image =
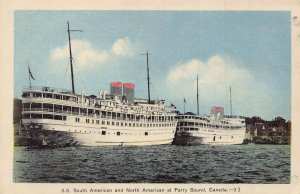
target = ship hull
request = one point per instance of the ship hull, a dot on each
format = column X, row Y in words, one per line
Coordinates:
column 51, row 133
column 215, row 137
column 190, row 139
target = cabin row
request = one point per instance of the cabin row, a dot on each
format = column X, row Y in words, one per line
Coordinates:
column 89, row 112
column 94, row 102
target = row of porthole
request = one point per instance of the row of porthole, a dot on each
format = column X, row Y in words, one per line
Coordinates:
column 129, row 124
column 196, row 129
column 210, row 126
column 118, row 133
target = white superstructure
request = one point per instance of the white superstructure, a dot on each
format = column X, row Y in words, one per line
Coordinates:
column 60, row 118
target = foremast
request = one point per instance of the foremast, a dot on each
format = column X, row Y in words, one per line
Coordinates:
column 71, row 57
column 148, row 77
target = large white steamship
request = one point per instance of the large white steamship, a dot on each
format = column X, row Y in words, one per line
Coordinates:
column 215, row 129
column 56, row 117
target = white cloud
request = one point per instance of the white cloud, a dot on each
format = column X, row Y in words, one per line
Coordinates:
column 216, row 75
column 123, row 47
column 215, row 71
column 83, row 53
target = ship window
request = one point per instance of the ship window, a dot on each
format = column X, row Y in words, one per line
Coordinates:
column 117, row 123
column 103, row 122
column 103, row 132
column 113, row 123
column 220, row 137
column 46, row 116
column 26, row 116
column 37, row 94
column 25, row 94
column 108, row 123
column 214, row 138
column 125, row 124
column 57, row 117
column 93, row 121
column 121, row 123
column 97, row 121
column 46, row 95
column 56, row 96
column 118, row 133
column 36, row 105
column 146, row 133
column 133, row 124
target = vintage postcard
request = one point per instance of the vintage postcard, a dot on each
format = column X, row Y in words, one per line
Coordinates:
column 149, row 97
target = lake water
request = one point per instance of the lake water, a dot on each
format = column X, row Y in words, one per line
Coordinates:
column 154, row 164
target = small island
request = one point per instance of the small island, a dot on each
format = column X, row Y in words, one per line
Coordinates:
column 259, row 131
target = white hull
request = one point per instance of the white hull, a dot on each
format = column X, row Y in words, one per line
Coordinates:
column 65, row 133
column 215, row 137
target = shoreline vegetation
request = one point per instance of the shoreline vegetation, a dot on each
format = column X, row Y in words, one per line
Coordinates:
column 258, row 131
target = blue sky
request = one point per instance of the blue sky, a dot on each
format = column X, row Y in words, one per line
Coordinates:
column 249, row 51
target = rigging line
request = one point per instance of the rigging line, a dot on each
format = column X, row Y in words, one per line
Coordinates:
column 64, row 77
column 155, row 93
column 66, row 71
column 82, row 80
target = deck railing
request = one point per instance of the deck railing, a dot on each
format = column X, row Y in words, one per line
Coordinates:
column 46, row 89
column 69, row 112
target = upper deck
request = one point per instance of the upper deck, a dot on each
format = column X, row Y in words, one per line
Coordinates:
column 48, row 95
column 227, row 120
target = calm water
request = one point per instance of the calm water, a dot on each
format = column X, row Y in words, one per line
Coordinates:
column 154, row 164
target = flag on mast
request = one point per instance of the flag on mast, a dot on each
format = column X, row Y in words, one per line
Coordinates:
column 30, row 74
column 184, row 100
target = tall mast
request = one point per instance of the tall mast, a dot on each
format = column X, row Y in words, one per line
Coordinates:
column 148, row 77
column 197, row 97
column 230, row 103
column 71, row 57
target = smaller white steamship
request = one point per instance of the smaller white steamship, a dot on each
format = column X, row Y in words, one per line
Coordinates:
column 56, row 117
column 215, row 129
